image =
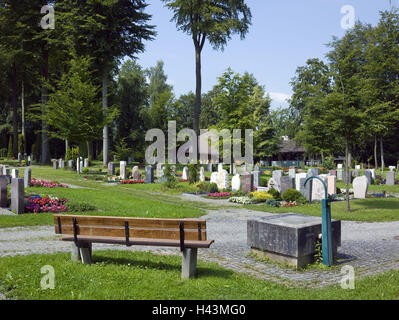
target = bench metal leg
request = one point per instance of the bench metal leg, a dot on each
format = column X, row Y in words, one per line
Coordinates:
column 82, row 252
column 189, row 263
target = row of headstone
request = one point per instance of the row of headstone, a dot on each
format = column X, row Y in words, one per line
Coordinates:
column 17, row 194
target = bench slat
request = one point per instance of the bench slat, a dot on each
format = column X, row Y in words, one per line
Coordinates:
column 133, row 222
column 142, row 241
column 173, row 234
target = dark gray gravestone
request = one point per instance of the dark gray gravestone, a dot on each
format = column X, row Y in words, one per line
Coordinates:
column 256, row 175
column 313, row 172
column 27, row 177
column 286, row 182
column 17, row 196
column 55, row 164
column 349, row 176
column 247, row 182
column 306, row 191
column 3, row 191
column 333, row 172
column 356, row 173
column 149, row 174
column 369, row 176
column 390, row 178
column 111, row 168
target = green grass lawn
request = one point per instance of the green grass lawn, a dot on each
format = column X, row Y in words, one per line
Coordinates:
column 142, row 276
column 368, row 210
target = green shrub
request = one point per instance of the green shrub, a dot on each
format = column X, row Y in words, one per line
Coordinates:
column 85, row 170
column 377, row 182
column 329, row 163
column 213, row 188
column 263, row 181
column 202, row 187
column 291, row 195
column 192, row 174
column 170, row 177
column 275, row 194
column 272, row 203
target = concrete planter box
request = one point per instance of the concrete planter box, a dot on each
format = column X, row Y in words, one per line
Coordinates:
column 289, row 238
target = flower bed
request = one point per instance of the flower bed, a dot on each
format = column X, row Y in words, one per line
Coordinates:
column 219, row 195
column 132, row 181
column 290, row 204
column 182, row 180
column 243, row 200
column 36, row 204
column 46, row 184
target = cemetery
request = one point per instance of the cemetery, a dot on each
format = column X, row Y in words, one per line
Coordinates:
column 121, row 189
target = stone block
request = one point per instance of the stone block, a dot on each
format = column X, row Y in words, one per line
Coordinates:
column 3, row 191
column 17, row 196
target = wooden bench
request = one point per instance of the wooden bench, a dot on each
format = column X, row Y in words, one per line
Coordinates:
column 82, row 231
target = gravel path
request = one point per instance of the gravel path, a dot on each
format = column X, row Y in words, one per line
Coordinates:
column 369, row 247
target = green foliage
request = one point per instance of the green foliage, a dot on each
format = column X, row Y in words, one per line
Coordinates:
column 75, row 206
column 21, row 143
column 193, row 173
column 122, row 151
column 329, row 163
column 275, row 194
column 272, row 203
column 203, row 186
column 213, row 188
column 75, row 153
column 68, row 155
column 291, row 195
column 85, row 170
column 170, row 177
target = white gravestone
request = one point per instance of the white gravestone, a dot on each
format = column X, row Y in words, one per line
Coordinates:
column 236, row 183
column 185, row 173
column 214, row 177
column 360, row 187
column 223, row 180
column 298, row 178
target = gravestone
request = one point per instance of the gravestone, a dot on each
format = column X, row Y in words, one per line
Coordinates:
column 349, row 176
column 160, row 169
column 78, row 165
column 369, row 176
column 276, row 175
column 292, row 173
column 3, row 191
column 86, row 163
column 236, row 183
column 234, row 169
column 360, row 186
column 122, row 170
column 318, row 191
column 149, row 174
column 313, row 172
column 339, row 174
column 256, row 175
column 332, row 185
column 244, row 168
column 14, row 173
column 55, row 164
column 185, row 175
column 220, row 167
column 356, row 173
column 27, row 177
column 272, row 184
column 373, row 173
column 136, row 173
column 111, row 168
column 256, row 168
column 286, row 182
column 339, row 166
column 390, row 178
column 214, row 177
column 17, row 196
column 357, row 167
column 129, row 160
column 19, row 157
column 202, row 174
column 6, row 171
column 391, row 168
column 210, row 167
column 298, row 177
column 306, row 190
column 29, row 161
column 247, row 182
column 333, row 172
column 81, row 166
column 223, row 180
column 70, row 164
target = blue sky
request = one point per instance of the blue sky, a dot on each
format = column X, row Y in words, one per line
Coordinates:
column 283, row 35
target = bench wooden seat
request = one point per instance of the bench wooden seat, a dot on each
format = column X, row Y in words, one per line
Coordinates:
column 82, row 231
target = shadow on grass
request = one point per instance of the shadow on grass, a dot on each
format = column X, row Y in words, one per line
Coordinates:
column 148, row 264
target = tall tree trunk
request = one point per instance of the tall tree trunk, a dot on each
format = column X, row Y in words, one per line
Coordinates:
column 375, row 152
column 198, row 78
column 45, row 157
column 105, row 130
column 66, row 146
column 347, row 155
column 14, row 110
column 89, row 150
column 23, row 116
column 382, row 156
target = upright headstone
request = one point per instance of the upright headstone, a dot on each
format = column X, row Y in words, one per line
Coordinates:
column 214, row 177
column 247, row 182
column 55, row 164
column 223, row 180
column 286, row 182
column 360, row 186
column 340, row 174
column 210, row 167
column 149, row 174
column 391, row 168
column 339, row 166
column 78, row 165
column 276, row 176
column 318, row 191
column 369, row 176
column 256, row 175
column 372, row 173
column 122, row 170
column 357, row 167
column 111, row 168
column 306, row 190
column 27, row 177
column 185, row 175
column 202, row 174
column 86, row 163
column 390, row 178
column 70, row 164
column 292, row 173
column 313, row 172
column 356, row 173
column 298, row 178
column 256, row 167
column 14, row 173
column 333, row 172
column 160, row 171
column 272, row 184
column 3, row 191
column 236, row 183
column 234, row 169
column 349, row 176
column 332, row 185
column 29, row 161
column 17, row 196
column 81, row 166
column 19, row 157
column 136, row 173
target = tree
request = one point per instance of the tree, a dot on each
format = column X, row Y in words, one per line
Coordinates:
column 73, row 111
column 215, row 20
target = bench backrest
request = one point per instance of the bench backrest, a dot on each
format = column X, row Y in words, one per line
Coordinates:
column 168, row 229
